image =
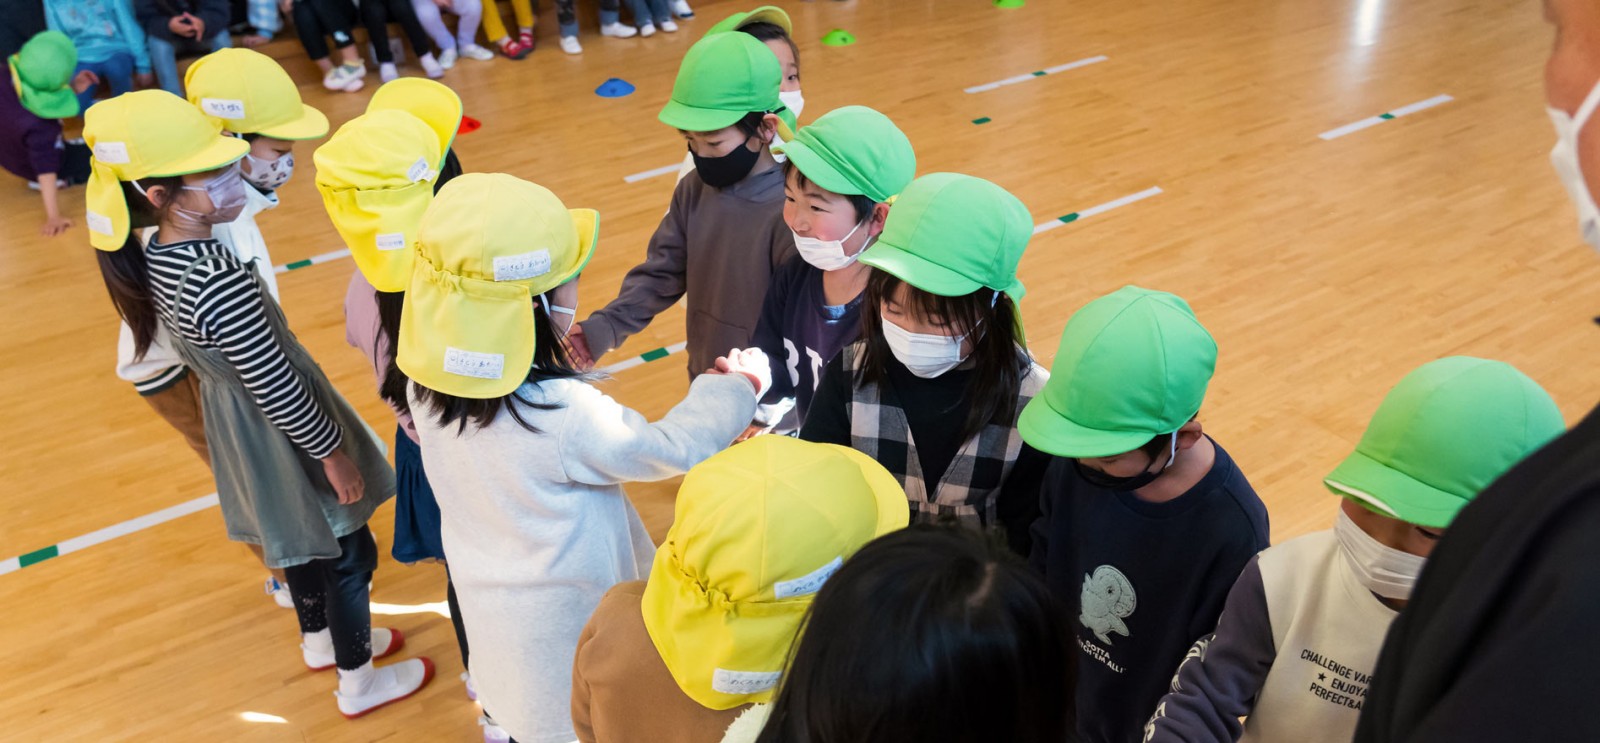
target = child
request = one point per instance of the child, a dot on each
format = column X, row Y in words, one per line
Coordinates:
column 648, row 14
column 192, row 25
column 109, row 41
column 1146, row 521
column 934, row 387
column 724, row 236
column 1296, row 644
column 926, row 634
column 37, row 93
column 841, row 173
column 255, row 22
column 526, row 458
column 677, row 658
column 771, row 26
column 566, row 15
column 297, row 472
column 316, row 19
column 469, row 14
column 376, row 15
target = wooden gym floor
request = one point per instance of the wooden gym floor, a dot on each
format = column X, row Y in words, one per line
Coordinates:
column 1325, row 268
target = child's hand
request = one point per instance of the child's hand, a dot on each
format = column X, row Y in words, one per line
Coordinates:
column 578, row 348
column 198, row 25
column 754, row 430
column 55, row 226
column 84, row 80
column 344, row 477
column 752, row 363
column 144, row 80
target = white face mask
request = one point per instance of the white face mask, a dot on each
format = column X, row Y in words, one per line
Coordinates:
column 828, row 255
column 269, row 175
column 926, row 355
column 551, row 310
column 1382, row 569
column 1565, row 158
column 792, row 100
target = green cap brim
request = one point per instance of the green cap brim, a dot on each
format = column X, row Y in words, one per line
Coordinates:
column 918, row 271
column 1050, row 431
column 816, row 169
column 50, row 104
column 694, row 119
column 1389, row 491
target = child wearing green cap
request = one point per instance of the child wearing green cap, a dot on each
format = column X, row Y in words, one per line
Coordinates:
column 38, row 91
column 724, row 235
column 934, row 387
column 769, row 25
column 1294, row 650
column 1146, row 521
column 840, row 175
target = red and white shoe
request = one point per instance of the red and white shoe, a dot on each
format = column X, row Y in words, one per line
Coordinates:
column 385, row 642
column 367, row 688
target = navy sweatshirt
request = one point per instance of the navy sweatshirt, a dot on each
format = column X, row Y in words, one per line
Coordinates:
column 800, row 334
column 1143, row 580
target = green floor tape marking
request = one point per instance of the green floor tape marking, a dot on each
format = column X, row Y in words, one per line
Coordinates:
column 37, row 556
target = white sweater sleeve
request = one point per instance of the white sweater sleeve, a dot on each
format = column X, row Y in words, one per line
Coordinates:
column 604, row 443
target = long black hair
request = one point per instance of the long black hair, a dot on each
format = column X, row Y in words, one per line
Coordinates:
column 125, row 271
column 985, row 316
column 929, row 635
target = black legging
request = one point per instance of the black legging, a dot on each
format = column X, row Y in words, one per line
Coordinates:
column 316, row 19
column 376, row 15
column 455, row 617
column 332, row 594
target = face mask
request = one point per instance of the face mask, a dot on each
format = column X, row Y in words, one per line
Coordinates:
column 269, row 175
column 226, row 190
column 551, row 310
column 792, row 100
column 721, row 172
column 828, row 255
column 1100, row 479
column 926, row 355
column 1565, row 158
column 1382, row 569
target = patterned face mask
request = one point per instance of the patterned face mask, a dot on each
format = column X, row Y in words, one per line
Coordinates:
column 269, row 175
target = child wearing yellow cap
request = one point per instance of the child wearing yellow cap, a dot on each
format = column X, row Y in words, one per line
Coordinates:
column 931, row 635
column 297, row 471
column 678, row 657
column 525, row 457
column 840, row 176
column 934, row 387
column 724, row 235
column 36, row 92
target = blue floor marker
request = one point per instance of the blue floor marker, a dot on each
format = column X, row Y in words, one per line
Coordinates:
column 614, row 88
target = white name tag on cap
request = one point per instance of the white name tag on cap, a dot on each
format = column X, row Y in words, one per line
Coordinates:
column 391, row 241
column 474, row 364
column 743, row 682
column 519, row 267
column 223, row 108
column 807, row 584
column 111, row 153
column 98, row 222
column 419, row 170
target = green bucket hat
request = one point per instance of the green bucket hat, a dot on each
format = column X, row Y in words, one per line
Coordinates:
column 723, row 77
column 1133, row 365
column 42, row 73
column 766, row 13
column 951, row 234
column 854, row 151
column 1445, row 432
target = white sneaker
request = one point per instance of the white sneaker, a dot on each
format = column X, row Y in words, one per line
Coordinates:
column 447, row 59
column 388, row 73
column 617, row 30
column 367, row 688
column 681, row 9
column 431, row 66
column 570, row 45
column 493, row 733
column 345, row 78
column 385, row 642
column 473, row 51
column 648, row 30
column 472, row 691
column 669, row 26
column 279, row 593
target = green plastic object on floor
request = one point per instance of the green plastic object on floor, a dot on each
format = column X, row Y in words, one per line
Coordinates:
column 839, row 37
column 1009, row 3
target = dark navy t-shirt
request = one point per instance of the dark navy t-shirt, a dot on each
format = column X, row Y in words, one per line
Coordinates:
column 800, row 334
column 29, row 145
column 1143, row 580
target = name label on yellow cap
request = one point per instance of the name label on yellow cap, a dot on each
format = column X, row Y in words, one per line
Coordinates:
column 420, row 171
column 807, row 584
column 111, row 153
column 98, row 222
column 222, row 108
column 519, row 267
column 474, row 364
column 743, row 682
column 391, row 241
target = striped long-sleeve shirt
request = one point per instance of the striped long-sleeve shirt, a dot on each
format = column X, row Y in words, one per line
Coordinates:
column 221, row 308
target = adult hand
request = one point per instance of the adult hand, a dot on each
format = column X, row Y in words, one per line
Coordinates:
column 198, row 25
column 752, row 363
column 578, row 348
column 344, row 477
column 55, row 226
column 84, row 80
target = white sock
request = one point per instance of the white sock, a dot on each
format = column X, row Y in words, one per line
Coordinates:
column 428, row 58
column 320, row 641
column 387, row 68
column 358, row 681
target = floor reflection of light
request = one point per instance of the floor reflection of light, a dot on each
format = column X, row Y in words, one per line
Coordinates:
column 1368, row 13
column 261, row 717
column 438, row 607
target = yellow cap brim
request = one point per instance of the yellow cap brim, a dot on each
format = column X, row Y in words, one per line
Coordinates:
column 221, row 151
column 311, row 124
column 106, row 204
column 894, row 511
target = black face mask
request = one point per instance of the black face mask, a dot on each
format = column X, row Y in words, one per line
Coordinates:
column 1125, row 484
column 721, row 172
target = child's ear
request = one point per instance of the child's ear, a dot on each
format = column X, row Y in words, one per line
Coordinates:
column 157, row 196
column 769, row 127
column 1189, row 434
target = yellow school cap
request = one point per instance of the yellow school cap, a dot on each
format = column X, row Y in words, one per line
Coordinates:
column 376, row 178
column 247, row 92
